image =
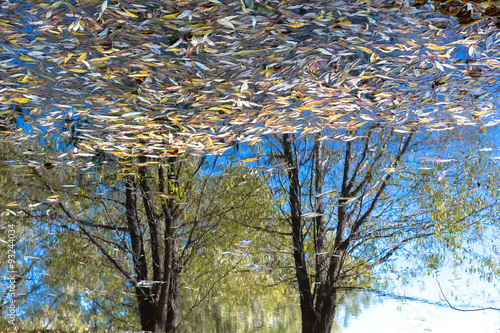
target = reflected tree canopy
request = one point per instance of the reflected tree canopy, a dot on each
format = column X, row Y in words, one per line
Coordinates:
column 239, row 165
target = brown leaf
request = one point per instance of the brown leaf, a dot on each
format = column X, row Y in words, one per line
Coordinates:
column 48, row 166
column 492, row 11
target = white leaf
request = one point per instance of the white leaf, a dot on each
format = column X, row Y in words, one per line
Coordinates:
column 131, row 114
column 144, row 100
column 366, row 117
column 184, row 14
column 439, row 66
column 200, row 65
column 322, row 50
column 244, row 87
column 226, row 22
column 104, row 6
column 472, row 51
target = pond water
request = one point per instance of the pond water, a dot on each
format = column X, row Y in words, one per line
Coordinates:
column 393, row 316
column 421, row 308
column 217, row 161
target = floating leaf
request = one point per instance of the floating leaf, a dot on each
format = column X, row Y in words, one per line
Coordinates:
column 17, row 100
column 104, row 5
column 249, row 159
column 78, row 70
column 26, row 58
column 202, row 66
column 297, row 24
column 245, row 52
column 492, row 11
column 131, row 114
column 48, row 166
column 435, row 47
column 129, row 13
column 322, row 50
column 6, row 23
column 226, row 21
column 82, row 57
column 364, row 49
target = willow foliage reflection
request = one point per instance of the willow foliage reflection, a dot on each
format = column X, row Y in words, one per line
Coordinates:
column 352, row 205
column 461, row 196
column 84, row 218
column 266, row 314
column 236, row 239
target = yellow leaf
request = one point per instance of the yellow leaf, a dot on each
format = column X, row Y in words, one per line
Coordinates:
column 170, row 16
column 101, row 59
column 255, row 141
column 82, row 57
column 55, row 4
column 308, row 129
column 26, row 58
column 373, row 58
column 209, row 143
column 268, row 72
column 269, row 122
column 364, row 49
column 335, row 116
column 217, row 108
column 77, row 70
column 129, row 13
column 244, row 52
column 412, row 43
column 386, row 50
column 68, row 57
column 25, row 78
column 176, row 122
column 5, row 23
column 249, row 159
column 444, row 55
column 444, row 79
column 297, row 24
column 435, row 47
column 117, row 154
column 344, row 23
column 53, row 196
column 19, row 100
